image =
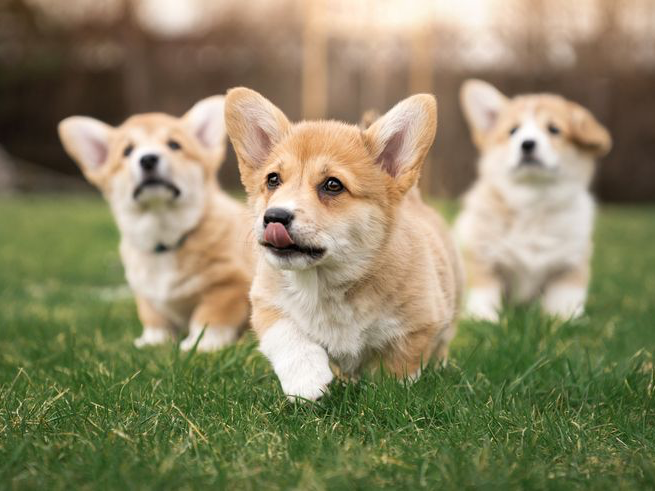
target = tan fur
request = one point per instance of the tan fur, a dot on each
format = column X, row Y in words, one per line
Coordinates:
column 578, row 125
column 411, row 271
column 529, row 237
column 204, row 282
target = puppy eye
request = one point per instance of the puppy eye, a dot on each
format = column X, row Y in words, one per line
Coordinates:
column 173, row 145
column 513, row 130
column 128, row 150
column 332, row 185
column 553, row 130
column 273, row 180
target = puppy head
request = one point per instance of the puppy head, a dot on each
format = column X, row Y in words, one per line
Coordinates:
column 533, row 138
column 324, row 192
column 151, row 159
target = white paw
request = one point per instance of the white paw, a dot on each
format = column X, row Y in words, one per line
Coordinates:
column 483, row 304
column 565, row 302
column 302, row 365
column 213, row 339
column 152, row 336
column 309, row 383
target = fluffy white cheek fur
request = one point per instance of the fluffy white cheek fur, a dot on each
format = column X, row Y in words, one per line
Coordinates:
column 496, row 164
column 301, row 365
column 355, row 240
column 576, row 167
column 214, row 337
column 484, row 303
column 566, row 302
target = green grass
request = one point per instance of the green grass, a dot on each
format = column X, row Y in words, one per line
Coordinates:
column 531, row 403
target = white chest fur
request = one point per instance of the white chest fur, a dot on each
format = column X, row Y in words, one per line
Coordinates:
column 158, row 276
column 541, row 235
column 346, row 327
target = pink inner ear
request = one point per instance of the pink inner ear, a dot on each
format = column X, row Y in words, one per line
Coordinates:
column 264, row 145
column 388, row 159
column 99, row 151
column 201, row 133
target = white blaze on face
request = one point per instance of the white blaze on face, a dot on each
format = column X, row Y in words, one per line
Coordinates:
column 162, row 169
column 530, row 131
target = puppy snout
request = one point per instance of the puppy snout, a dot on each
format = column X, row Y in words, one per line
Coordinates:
column 528, row 146
column 278, row 215
column 149, row 161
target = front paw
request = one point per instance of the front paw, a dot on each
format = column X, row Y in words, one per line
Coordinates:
column 213, row 339
column 483, row 304
column 152, row 336
column 310, row 383
column 301, row 365
column 565, row 303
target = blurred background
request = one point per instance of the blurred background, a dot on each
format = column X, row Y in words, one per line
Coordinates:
column 323, row 59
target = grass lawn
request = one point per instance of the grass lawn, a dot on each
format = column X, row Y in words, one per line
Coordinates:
column 531, row 403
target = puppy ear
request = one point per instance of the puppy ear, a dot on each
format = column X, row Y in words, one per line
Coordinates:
column 401, row 138
column 206, row 119
column 368, row 118
column 255, row 125
column 587, row 132
column 482, row 104
column 86, row 140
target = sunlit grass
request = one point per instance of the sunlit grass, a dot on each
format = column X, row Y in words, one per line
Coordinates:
column 530, row 403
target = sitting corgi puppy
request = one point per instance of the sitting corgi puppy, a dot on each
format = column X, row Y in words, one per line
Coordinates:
column 183, row 240
column 354, row 269
column 526, row 225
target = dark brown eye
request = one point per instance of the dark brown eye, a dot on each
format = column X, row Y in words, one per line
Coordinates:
column 553, row 130
column 513, row 130
column 128, row 150
column 173, row 145
column 273, row 180
column 332, row 185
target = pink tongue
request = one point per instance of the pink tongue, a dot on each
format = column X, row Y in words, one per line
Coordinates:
column 277, row 234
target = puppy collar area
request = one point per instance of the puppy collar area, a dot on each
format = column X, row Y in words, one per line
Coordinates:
column 161, row 248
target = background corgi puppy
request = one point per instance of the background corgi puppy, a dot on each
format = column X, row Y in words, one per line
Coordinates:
column 182, row 238
column 353, row 268
column 526, row 226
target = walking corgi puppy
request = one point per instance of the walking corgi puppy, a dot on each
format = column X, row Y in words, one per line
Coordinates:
column 183, row 240
column 354, row 269
column 526, row 225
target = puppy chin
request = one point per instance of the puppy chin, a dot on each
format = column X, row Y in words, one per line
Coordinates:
column 537, row 173
column 291, row 262
column 153, row 195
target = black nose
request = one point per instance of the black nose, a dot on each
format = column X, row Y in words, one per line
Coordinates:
column 278, row 215
column 149, row 162
column 528, row 146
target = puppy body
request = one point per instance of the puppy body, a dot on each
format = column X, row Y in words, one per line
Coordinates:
column 371, row 277
column 182, row 238
column 526, row 225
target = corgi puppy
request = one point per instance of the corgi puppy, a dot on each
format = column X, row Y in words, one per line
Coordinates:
column 526, row 225
column 182, row 238
column 354, row 269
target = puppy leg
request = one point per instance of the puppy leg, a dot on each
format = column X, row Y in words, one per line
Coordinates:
column 408, row 356
column 221, row 314
column 301, row 365
column 484, row 298
column 156, row 328
column 566, row 294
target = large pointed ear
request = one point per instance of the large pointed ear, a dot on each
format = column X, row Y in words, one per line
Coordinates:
column 86, row 140
column 255, row 125
column 588, row 133
column 482, row 104
column 206, row 119
column 401, row 138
